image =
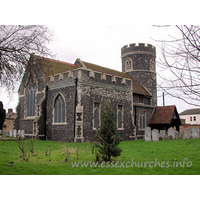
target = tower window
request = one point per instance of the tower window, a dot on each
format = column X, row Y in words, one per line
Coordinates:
column 128, row 65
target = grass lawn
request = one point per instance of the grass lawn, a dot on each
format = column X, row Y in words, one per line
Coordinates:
column 149, row 155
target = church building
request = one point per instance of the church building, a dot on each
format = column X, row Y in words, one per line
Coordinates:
column 60, row 101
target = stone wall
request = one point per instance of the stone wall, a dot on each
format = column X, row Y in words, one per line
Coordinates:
column 101, row 88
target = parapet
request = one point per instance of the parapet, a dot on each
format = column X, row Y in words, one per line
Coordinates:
column 90, row 76
column 140, row 48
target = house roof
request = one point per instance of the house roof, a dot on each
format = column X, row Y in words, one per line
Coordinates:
column 163, row 115
column 191, row 111
column 51, row 67
column 11, row 115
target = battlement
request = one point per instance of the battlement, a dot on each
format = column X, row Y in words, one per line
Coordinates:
column 141, row 47
column 88, row 75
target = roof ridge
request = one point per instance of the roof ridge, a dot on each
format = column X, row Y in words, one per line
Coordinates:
column 57, row 61
column 101, row 66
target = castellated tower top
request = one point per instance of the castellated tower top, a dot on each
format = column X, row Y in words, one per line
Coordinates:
column 139, row 61
column 141, row 48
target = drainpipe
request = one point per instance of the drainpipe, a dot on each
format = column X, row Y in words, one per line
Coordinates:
column 45, row 115
column 75, row 104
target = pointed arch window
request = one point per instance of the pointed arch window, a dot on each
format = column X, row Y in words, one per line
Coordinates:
column 59, row 110
column 31, row 100
column 120, row 116
column 96, row 113
column 142, row 117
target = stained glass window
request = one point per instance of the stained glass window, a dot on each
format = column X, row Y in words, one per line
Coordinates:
column 59, row 110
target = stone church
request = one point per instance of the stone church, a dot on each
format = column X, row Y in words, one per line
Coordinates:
column 63, row 102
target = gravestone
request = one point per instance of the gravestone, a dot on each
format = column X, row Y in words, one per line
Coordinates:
column 22, row 134
column 147, row 135
column 10, row 133
column 14, row 133
column 171, row 134
column 155, row 135
column 162, row 135
column 187, row 134
column 19, row 133
column 176, row 135
column 195, row 132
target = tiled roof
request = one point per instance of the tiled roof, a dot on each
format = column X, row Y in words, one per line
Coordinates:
column 11, row 115
column 105, row 70
column 162, row 115
column 137, row 87
column 51, row 67
column 191, row 111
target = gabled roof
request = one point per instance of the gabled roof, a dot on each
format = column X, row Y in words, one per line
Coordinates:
column 163, row 115
column 191, row 111
column 51, row 67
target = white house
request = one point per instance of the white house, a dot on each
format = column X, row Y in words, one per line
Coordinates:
column 191, row 116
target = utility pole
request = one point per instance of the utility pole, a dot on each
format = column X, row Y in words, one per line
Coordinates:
column 75, row 104
column 163, row 99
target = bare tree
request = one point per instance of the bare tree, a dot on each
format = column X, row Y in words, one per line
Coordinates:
column 16, row 44
column 181, row 56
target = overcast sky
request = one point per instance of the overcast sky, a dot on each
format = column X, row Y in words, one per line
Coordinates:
column 94, row 32
column 101, row 44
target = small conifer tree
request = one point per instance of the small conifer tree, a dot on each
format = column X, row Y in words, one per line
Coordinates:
column 108, row 139
column 2, row 115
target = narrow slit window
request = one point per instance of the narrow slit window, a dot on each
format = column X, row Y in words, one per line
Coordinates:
column 96, row 114
column 120, row 116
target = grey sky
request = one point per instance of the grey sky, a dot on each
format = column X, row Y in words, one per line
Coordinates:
column 101, row 44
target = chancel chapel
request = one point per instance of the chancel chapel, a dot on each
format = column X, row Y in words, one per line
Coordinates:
column 63, row 102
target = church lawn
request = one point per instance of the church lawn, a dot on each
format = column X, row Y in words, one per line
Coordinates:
column 163, row 157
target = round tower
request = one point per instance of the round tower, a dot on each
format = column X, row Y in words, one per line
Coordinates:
column 139, row 62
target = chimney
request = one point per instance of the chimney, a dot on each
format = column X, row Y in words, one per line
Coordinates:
column 10, row 110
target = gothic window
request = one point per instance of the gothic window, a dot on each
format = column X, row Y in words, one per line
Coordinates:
column 142, row 119
column 30, row 103
column 128, row 64
column 96, row 113
column 120, row 116
column 59, row 110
